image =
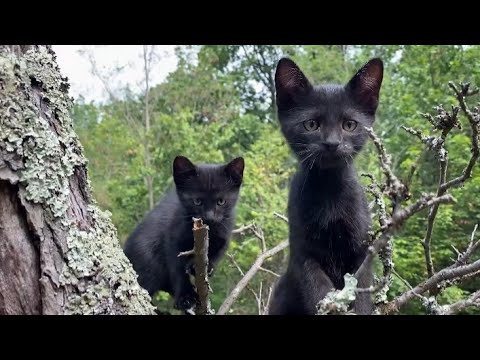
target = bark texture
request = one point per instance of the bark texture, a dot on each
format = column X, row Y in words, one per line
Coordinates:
column 59, row 253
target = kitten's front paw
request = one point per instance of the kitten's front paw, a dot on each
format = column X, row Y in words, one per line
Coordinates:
column 186, row 301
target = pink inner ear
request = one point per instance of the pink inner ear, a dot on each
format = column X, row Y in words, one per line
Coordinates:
column 292, row 79
column 369, row 84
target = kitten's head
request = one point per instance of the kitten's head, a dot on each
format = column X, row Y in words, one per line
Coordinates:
column 324, row 125
column 208, row 191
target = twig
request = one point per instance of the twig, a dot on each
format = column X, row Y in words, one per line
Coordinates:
column 248, row 276
column 267, row 303
column 395, row 222
column 255, row 230
column 397, row 191
column 473, row 119
column 234, row 262
column 269, row 271
column 449, row 273
column 472, row 247
column 472, row 300
column 259, row 300
column 242, row 229
column 200, row 248
column 283, row 217
column 186, row 253
column 402, row 279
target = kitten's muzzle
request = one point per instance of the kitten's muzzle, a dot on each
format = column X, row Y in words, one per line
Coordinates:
column 210, row 216
column 331, row 146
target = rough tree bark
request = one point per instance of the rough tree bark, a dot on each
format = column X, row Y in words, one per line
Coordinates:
column 59, row 253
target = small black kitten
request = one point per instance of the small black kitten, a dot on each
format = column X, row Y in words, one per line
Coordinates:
column 327, row 208
column 206, row 191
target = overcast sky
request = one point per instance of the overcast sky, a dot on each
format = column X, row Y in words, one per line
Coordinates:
column 78, row 70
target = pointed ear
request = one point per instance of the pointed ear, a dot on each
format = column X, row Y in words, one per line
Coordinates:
column 290, row 81
column 183, row 169
column 234, row 169
column 365, row 85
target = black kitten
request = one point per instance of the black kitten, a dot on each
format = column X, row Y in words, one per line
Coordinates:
column 206, row 191
column 327, row 209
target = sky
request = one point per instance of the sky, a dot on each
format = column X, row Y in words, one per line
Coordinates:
column 82, row 82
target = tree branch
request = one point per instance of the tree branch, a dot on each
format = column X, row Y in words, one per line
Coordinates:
column 227, row 304
column 472, row 300
column 200, row 261
column 280, row 216
column 449, row 273
column 397, row 221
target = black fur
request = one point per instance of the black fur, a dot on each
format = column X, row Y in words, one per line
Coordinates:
column 327, row 209
column 167, row 230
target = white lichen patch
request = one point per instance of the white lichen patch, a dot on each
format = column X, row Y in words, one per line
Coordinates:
column 338, row 301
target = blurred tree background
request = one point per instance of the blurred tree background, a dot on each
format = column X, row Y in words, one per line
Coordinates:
column 219, row 103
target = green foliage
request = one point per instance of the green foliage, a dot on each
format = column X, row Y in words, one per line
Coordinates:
column 220, row 104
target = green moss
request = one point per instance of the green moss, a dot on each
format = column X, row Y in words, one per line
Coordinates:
column 44, row 149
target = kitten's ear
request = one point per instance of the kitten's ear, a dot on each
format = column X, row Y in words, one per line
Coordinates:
column 234, row 169
column 365, row 85
column 290, row 81
column 183, row 169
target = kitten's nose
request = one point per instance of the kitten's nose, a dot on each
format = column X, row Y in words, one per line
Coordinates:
column 209, row 215
column 331, row 145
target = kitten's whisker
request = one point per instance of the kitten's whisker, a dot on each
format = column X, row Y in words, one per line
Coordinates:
column 309, row 156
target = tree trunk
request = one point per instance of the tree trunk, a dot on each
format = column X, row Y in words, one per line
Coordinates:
column 59, row 254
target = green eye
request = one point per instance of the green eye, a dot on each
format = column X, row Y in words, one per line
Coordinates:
column 310, row 125
column 197, row 202
column 349, row 125
column 221, row 202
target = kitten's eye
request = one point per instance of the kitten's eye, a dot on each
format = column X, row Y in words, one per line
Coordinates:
column 310, row 125
column 197, row 202
column 221, row 202
column 349, row 125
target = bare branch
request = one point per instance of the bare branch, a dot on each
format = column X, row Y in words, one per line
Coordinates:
column 472, row 300
column 242, row 229
column 269, row 271
column 473, row 118
column 186, row 253
column 227, row 304
column 449, row 273
column 395, row 222
column 396, row 189
column 234, row 262
column 472, row 247
column 280, row 216
column 255, row 231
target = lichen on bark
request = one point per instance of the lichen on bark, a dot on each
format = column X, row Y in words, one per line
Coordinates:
column 40, row 151
column 98, row 268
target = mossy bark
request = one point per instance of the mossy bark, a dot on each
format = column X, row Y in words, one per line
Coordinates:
column 59, row 253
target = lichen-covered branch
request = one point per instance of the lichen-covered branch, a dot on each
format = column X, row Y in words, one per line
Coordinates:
column 472, row 300
column 433, row 282
column 396, row 221
column 444, row 121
